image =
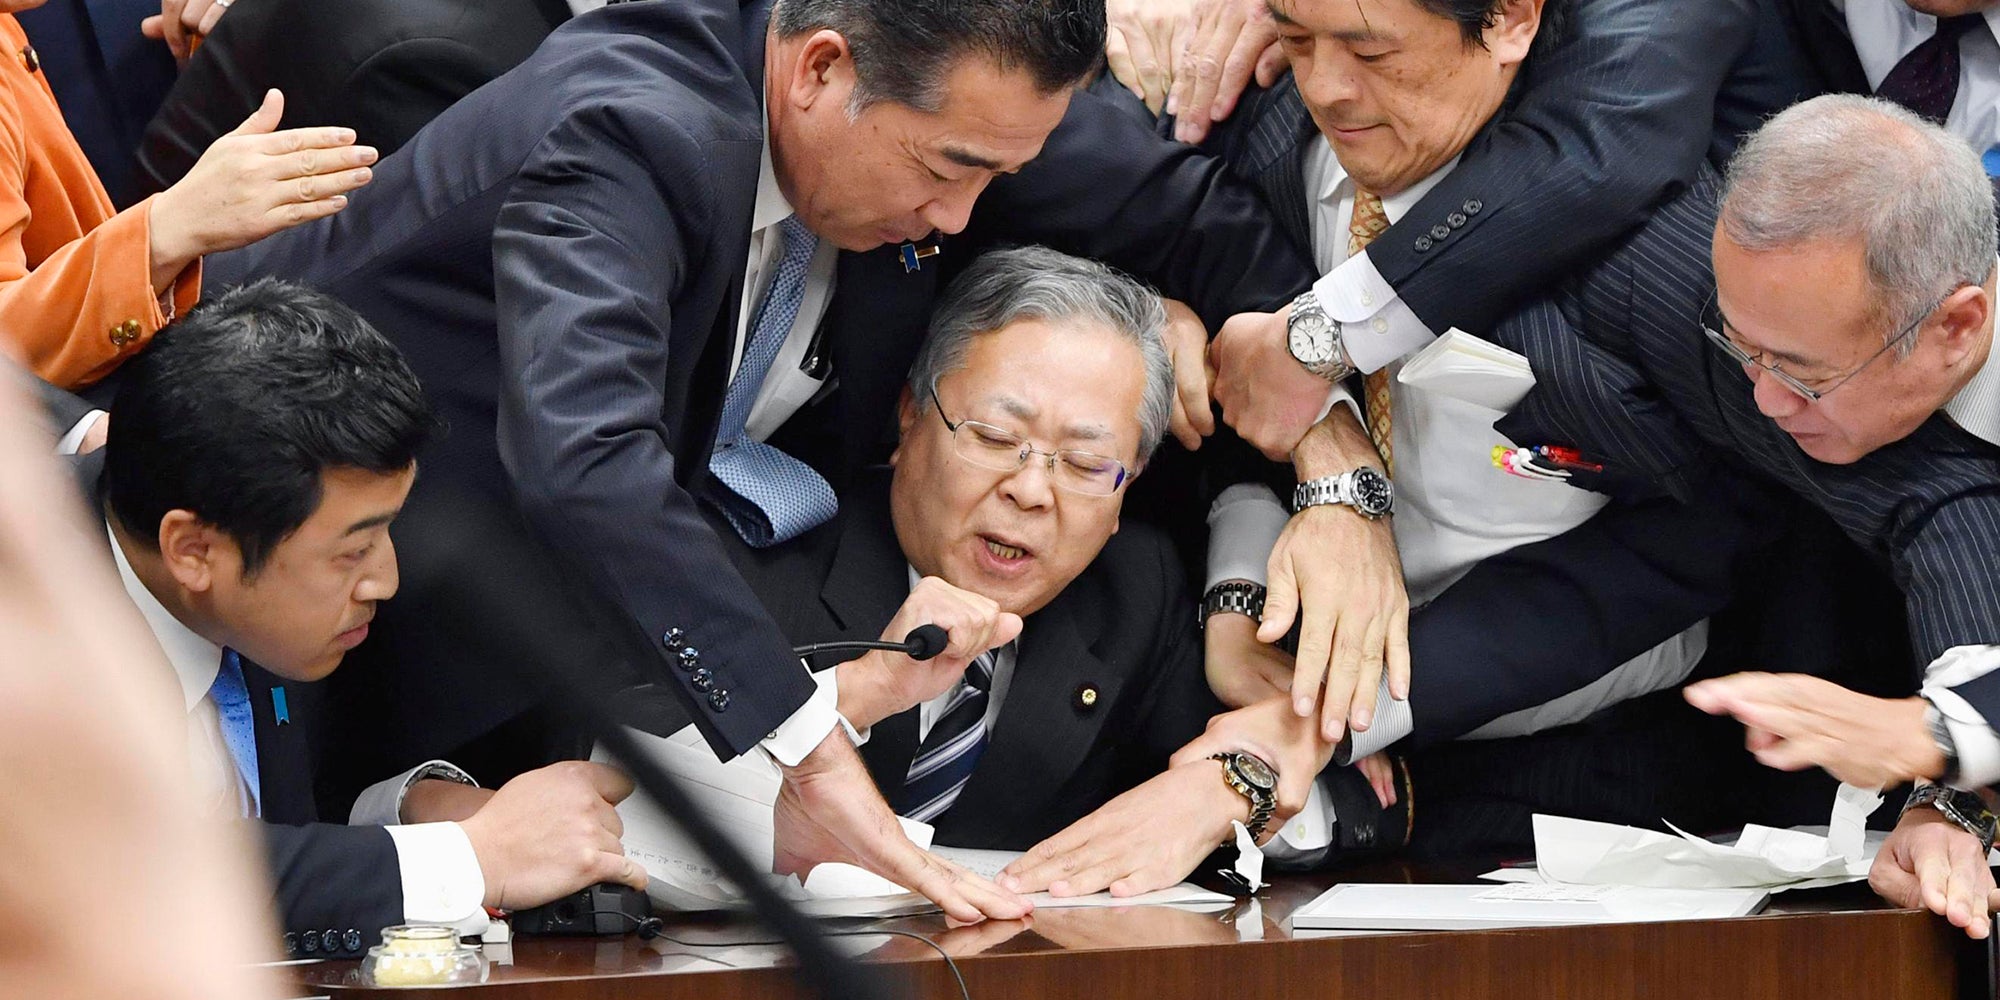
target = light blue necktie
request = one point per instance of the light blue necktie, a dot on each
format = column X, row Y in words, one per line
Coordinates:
column 776, row 497
column 239, row 728
column 950, row 751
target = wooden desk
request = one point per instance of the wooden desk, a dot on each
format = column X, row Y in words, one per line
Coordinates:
column 1826, row 944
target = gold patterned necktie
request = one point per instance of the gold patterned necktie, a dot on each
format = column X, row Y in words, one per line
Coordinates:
column 1370, row 221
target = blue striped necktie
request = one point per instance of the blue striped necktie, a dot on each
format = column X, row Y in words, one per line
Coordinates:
column 773, row 496
column 952, row 748
column 239, row 728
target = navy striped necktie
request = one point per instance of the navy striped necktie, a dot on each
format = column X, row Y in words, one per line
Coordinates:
column 953, row 747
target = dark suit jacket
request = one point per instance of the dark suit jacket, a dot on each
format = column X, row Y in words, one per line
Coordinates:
column 384, row 68
column 336, row 886
column 1545, row 619
column 560, row 256
column 107, row 77
column 1554, row 181
column 1125, row 626
column 1820, row 32
column 1928, row 506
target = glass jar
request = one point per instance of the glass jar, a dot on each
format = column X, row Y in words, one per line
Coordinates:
column 417, row 955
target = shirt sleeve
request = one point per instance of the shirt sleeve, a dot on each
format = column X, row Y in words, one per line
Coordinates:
column 1376, row 326
column 442, row 883
column 797, row 736
column 1243, row 527
column 381, row 804
column 71, row 441
column 1305, row 838
column 1978, row 745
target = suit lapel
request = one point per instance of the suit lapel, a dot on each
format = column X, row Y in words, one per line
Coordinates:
column 872, row 328
column 1040, row 737
column 284, row 769
column 867, row 581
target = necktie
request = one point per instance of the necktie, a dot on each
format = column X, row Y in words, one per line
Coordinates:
column 239, row 728
column 1926, row 80
column 952, row 748
column 775, row 497
column 1370, row 221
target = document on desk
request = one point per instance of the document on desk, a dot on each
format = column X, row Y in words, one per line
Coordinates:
column 1399, row 907
column 738, row 796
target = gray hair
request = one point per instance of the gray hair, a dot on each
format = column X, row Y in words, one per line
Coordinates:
column 1038, row 283
column 1845, row 167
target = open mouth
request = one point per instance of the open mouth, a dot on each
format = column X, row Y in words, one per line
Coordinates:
column 1003, row 551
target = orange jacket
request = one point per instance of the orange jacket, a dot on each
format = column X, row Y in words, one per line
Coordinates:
column 76, row 292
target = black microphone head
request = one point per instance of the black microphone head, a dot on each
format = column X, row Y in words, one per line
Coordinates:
column 926, row 641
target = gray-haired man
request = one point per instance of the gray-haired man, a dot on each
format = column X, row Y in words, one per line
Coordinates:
column 1038, row 396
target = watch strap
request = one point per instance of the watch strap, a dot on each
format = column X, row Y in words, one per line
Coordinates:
column 1235, row 597
column 1965, row 809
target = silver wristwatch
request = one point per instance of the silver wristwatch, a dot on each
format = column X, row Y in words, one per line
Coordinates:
column 1314, row 338
column 1965, row 809
column 1365, row 489
column 1239, row 597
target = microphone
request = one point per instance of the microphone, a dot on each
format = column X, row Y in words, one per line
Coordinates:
column 923, row 643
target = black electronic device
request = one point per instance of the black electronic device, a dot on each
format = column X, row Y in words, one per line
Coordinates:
column 604, row 908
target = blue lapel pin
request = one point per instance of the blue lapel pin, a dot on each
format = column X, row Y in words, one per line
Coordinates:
column 279, row 709
column 913, row 255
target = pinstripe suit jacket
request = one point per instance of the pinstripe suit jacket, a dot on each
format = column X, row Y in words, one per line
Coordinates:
column 1927, row 506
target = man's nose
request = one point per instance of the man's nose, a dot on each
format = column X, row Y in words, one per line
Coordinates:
column 1773, row 397
column 949, row 212
column 1031, row 486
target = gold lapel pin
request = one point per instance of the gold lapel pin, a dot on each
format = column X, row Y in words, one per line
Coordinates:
column 1086, row 696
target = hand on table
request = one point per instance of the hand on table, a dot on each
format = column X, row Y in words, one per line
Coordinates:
column 551, row 832
column 1930, row 863
column 1271, row 731
column 1148, row 838
column 829, row 810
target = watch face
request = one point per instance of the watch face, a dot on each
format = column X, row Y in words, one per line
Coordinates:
column 1311, row 339
column 1372, row 492
column 1256, row 772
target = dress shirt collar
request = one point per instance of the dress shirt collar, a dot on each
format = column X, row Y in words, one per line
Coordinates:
column 1334, row 184
column 1885, row 31
column 772, row 208
column 196, row 660
column 581, row 7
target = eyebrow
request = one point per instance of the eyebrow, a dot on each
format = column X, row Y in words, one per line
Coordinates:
column 1020, row 410
column 369, row 523
column 967, row 158
column 1783, row 357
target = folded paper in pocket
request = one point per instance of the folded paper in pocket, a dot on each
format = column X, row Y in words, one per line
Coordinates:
column 1465, row 367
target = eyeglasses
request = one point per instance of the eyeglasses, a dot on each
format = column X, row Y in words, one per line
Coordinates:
column 1810, row 393
column 1002, row 450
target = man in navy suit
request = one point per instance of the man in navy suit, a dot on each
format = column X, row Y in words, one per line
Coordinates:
column 261, row 453
column 563, row 257
column 107, row 76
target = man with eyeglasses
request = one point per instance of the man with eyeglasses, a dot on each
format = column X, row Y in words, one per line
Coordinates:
column 1845, row 273
column 1074, row 670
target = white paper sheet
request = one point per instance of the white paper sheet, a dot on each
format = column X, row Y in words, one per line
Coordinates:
column 1465, row 367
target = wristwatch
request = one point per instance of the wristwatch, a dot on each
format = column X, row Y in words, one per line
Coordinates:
column 1239, row 597
column 1365, row 489
column 1254, row 780
column 1314, row 338
column 1934, row 721
column 1964, row 808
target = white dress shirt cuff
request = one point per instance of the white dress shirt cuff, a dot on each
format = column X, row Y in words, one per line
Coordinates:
column 1243, row 527
column 71, row 441
column 801, row 734
column 381, row 804
column 1978, row 745
column 442, row 883
column 1376, row 326
column 1305, row 838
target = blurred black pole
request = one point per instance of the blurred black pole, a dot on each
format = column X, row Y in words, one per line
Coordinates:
column 489, row 585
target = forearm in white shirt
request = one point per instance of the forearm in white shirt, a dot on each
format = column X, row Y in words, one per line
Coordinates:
column 799, row 735
column 1376, row 326
column 1977, row 744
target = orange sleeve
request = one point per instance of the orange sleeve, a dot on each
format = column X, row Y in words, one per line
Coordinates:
column 90, row 304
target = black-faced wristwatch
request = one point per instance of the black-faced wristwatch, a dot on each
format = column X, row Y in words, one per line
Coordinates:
column 1239, row 597
column 1254, row 780
column 1365, row 489
column 1966, row 809
column 1314, row 339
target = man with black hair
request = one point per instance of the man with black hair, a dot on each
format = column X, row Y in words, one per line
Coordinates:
column 262, row 449
column 627, row 264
